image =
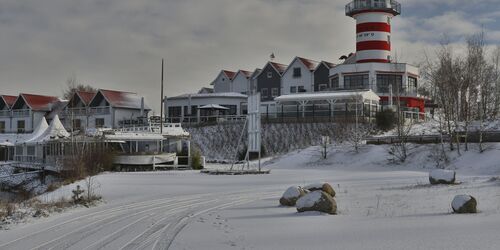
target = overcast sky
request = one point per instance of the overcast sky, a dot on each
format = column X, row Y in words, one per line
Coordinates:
column 118, row 44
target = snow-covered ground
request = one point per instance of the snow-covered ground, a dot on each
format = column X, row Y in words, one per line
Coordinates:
column 380, row 206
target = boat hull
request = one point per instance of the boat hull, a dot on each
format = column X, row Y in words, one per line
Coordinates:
column 144, row 160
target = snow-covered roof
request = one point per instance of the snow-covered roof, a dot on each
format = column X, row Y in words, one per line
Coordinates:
column 121, row 99
column 365, row 94
column 210, row 95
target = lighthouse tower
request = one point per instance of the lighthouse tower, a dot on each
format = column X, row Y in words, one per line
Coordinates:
column 373, row 28
column 371, row 67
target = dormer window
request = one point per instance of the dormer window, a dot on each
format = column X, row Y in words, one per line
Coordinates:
column 297, row 72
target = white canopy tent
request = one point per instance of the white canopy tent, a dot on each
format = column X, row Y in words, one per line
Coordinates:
column 55, row 130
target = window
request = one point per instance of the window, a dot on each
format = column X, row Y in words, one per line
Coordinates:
column 323, row 87
column 386, row 82
column 232, row 109
column 21, row 126
column 412, row 85
column 301, row 89
column 175, row 111
column 77, row 124
column 274, row 92
column 263, row 92
column 99, row 122
column 356, row 81
column 2, row 127
column 297, row 72
column 194, row 110
column 389, row 39
column 334, row 82
column 293, row 89
column 269, row 74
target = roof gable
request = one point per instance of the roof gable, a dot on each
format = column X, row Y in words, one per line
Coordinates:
column 325, row 64
column 278, row 67
column 86, row 97
column 308, row 63
column 36, row 102
column 6, row 101
column 119, row 99
column 229, row 74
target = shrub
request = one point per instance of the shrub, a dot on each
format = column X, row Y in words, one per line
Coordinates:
column 196, row 161
column 386, row 120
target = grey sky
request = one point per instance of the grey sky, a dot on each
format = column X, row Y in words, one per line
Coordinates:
column 118, row 44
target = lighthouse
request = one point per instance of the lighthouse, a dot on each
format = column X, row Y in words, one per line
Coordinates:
column 373, row 28
column 372, row 67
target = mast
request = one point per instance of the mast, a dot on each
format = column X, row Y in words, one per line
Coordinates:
column 162, row 99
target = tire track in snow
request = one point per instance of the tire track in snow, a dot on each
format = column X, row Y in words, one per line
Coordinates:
column 97, row 213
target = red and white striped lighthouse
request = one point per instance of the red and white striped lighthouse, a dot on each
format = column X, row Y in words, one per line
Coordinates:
column 373, row 28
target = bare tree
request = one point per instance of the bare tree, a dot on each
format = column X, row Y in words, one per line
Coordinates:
column 73, row 85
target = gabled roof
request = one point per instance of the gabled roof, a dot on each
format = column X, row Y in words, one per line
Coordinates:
column 37, row 102
column 310, row 64
column 278, row 67
column 328, row 64
column 121, row 99
column 85, row 96
column 229, row 74
column 245, row 73
column 9, row 99
column 281, row 68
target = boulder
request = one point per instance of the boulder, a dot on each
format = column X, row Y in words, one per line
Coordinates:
column 291, row 195
column 441, row 176
column 464, row 204
column 324, row 186
column 317, row 201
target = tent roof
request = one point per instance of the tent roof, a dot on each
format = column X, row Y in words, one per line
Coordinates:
column 213, row 106
column 54, row 131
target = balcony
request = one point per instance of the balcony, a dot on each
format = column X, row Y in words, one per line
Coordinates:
column 4, row 113
column 100, row 110
column 20, row 113
column 75, row 112
column 360, row 6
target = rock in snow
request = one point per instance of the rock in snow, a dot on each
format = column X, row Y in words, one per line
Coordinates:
column 441, row 176
column 325, row 187
column 317, row 201
column 291, row 195
column 464, row 204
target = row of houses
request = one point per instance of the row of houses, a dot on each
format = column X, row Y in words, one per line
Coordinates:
column 85, row 110
column 301, row 77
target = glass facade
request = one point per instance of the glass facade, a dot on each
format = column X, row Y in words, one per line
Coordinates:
column 356, row 81
column 386, row 80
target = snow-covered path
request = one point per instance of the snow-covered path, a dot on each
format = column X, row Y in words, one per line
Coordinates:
column 380, row 207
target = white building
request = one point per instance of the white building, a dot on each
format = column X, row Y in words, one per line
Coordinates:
column 205, row 107
column 116, row 109
column 6, row 102
column 241, row 82
column 222, row 83
column 299, row 76
column 29, row 109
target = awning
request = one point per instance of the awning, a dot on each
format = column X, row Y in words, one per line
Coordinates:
column 213, row 106
column 325, row 96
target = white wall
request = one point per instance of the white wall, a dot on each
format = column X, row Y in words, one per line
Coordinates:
column 125, row 114
column 222, row 84
column 240, row 84
column 306, row 78
column 374, row 68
